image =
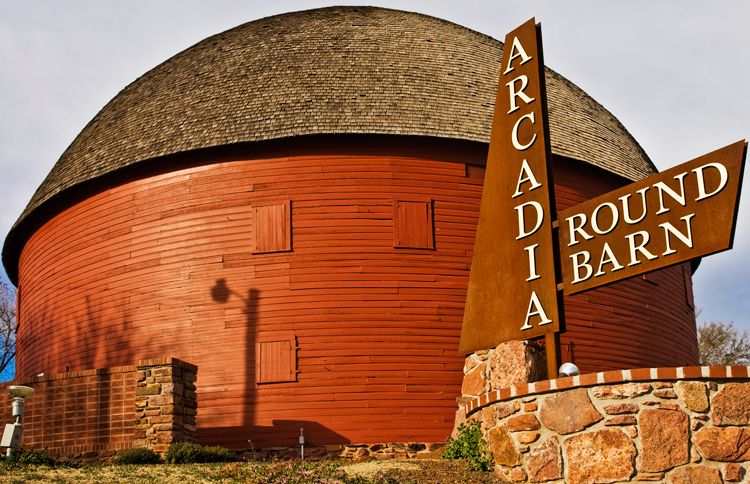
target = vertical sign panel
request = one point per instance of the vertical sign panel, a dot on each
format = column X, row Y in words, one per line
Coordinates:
column 512, row 288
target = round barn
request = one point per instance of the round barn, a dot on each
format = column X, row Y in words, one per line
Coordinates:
column 291, row 206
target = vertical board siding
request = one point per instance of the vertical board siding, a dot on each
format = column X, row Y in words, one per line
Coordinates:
column 164, row 266
column 412, row 225
column 273, row 230
column 275, row 362
column 276, row 357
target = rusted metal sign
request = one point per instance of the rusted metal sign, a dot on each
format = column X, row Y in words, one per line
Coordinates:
column 512, row 288
column 679, row 214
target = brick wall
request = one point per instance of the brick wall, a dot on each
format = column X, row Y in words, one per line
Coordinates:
column 92, row 414
column 685, row 424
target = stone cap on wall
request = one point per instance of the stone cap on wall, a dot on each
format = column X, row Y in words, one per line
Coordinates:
column 162, row 361
column 473, row 405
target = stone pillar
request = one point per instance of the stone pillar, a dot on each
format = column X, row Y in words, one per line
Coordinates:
column 511, row 363
column 165, row 403
column 508, row 364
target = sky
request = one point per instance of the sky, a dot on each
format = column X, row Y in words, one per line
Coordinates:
column 674, row 72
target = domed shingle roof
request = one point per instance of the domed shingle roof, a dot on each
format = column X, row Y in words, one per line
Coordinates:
column 325, row 71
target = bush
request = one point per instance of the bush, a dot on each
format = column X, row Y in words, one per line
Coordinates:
column 469, row 445
column 33, row 457
column 192, row 453
column 136, row 456
column 216, row 453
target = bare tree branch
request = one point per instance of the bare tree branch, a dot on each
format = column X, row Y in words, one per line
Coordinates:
column 7, row 325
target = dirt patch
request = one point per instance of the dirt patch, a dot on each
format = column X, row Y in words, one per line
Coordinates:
column 375, row 467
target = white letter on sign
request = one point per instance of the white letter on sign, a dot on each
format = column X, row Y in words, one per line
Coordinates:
column 595, row 218
column 526, row 175
column 664, row 188
column 626, row 207
column 538, row 310
column 702, row 183
column 573, row 229
column 522, row 219
column 634, row 247
column 577, row 264
column 514, row 94
column 514, row 135
column 608, row 257
column 532, row 262
column 685, row 239
column 516, row 50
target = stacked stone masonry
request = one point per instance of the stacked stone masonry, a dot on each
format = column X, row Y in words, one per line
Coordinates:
column 165, row 405
column 356, row 452
column 675, row 425
column 90, row 415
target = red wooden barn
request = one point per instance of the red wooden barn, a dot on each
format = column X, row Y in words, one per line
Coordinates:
column 291, row 206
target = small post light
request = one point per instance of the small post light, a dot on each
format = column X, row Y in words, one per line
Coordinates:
column 14, row 431
column 302, row 443
column 568, row 369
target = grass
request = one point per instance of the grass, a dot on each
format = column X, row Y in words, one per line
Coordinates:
column 287, row 472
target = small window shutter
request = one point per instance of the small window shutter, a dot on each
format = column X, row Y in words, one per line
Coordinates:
column 276, row 358
column 412, row 225
column 273, row 228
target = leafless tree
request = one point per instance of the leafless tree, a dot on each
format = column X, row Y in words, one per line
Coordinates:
column 7, row 325
column 721, row 343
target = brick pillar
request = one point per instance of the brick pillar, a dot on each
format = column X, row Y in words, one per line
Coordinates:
column 165, row 403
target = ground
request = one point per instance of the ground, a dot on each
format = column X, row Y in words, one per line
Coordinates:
column 330, row 472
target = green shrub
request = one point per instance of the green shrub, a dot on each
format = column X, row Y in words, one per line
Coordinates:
column 138, row 455
column 471, row 446
column 33, row 457
column 216, row 453
column 183, row 453
column 192, row 453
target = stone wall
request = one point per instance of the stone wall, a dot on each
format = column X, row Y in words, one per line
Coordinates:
column 678, row 425
column 397, row 450
column 165, row 405
column 92, row 414
column 508, row 364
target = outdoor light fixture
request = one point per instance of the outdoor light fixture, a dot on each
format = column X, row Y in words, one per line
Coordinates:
column 568, row 369
column 14, row 431
column 302, row 443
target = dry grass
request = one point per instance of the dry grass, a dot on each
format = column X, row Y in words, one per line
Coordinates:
column 288, row 472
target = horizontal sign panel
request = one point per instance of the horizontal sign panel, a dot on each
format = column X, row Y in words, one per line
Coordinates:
column 680, row 214
column 512, row 289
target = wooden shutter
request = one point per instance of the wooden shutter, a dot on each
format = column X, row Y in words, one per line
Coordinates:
column 273, row 228
column 276, row 358
column 412, row 225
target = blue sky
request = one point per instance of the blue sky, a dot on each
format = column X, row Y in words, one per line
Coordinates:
column 674, row 72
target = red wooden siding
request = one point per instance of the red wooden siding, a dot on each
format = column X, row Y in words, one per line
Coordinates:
column 631, row 324
column 164, row 266
column 273, row 228
column 412, row 225
column 18, row 308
